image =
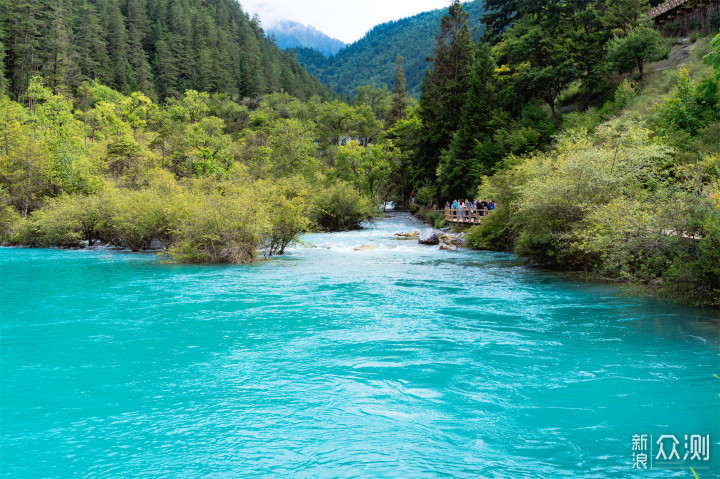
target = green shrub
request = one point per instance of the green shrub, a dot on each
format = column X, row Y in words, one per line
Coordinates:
column 221, row 229
column 340, row 207
column 436, row 219
column 495, row 232
column 690, row 108
column 56, row 224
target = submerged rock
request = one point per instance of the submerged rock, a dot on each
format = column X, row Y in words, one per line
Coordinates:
column 412, row 234
column 429, row 237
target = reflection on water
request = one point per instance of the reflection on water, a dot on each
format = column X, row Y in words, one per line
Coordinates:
column 396, row 361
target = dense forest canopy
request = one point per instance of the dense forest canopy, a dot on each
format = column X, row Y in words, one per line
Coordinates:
column 371, row 59
column 159, row 47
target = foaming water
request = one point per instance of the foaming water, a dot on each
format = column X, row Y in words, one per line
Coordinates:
column 395, row 361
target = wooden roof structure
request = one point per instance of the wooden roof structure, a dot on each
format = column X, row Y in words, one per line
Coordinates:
column 666, row 7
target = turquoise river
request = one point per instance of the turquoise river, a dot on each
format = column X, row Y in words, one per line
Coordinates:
column 397, row 361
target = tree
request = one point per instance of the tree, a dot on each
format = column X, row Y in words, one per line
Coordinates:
column 499, row 15
column 444, row 90
column 713, row 58
column 289, row 204
column 399, row 102
column 377, row 99
column 368, row 168
column 640, row 45
column 536, row 60
column 464, row 163
column 625, row 15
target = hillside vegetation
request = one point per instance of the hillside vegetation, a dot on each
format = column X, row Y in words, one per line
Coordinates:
column 620, row 180
column 371, row 60
column 160, row 47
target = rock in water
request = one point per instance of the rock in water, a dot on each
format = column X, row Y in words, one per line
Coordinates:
column 412, row 234
column 429, row 237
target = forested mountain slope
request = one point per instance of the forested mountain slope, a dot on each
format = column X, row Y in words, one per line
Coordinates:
column 161, row 47
column 290, row 34
column 372, row 58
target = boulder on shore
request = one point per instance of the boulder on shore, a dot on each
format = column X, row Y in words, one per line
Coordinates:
column 429, row 237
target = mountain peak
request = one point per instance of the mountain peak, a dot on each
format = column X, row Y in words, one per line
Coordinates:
column 290, row 34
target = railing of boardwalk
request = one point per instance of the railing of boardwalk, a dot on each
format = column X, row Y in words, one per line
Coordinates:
column 465, row 215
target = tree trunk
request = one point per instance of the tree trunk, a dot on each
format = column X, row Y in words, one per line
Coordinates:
column 641, row 69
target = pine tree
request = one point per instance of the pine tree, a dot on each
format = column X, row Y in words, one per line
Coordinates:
column 137, row 25
column 444, row 90
column 466, row 162
column 499, row 15
column 89, row 58
column 166, row 71
column 117, row 41
column 399, row 98
column 3, row 82
column 59, row 46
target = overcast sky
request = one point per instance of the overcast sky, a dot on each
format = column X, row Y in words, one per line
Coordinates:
column 342, row 19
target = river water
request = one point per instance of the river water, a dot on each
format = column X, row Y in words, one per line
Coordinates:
column 398, row 361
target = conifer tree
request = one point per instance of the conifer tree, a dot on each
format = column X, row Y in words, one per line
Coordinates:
column 444, row 90
column 87, row 56
column 399, row 97
column 467, row 159
column 137, row 24
column 116, row 39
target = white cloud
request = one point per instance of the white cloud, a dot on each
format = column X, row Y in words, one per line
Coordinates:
column 345, row 20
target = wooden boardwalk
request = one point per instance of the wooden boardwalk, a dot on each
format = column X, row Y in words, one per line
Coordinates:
column 666, row 7
column 467, row 217
column 680, row 17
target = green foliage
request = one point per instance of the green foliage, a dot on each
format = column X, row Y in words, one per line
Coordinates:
column 125, row 171
column 368, row 168
column 58, row 224
column 713, row 58
column 495, row 232
column 289, row 206
column 372, row 59
column 436, row 219
column 220, row 229
column 161, row 48
column 339, row 207
column 690, row 107
column 426, row 195
column 633, row 50
column 444, row 90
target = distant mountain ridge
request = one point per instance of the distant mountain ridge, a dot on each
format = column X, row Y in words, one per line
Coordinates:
column 289, row 34
column 372, row 58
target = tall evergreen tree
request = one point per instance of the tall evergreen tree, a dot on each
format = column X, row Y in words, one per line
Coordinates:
column 499, row 15
column 89, row 58
column 399, row 102
column 166, row 70
column 444, row 90
column 137, row 25
column 116, row 39
column 208, row 45
column 58, row 42
column 470, row 155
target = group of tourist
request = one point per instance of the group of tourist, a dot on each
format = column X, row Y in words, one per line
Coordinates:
column 465, row 208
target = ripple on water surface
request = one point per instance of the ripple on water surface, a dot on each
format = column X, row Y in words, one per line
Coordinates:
column 395, row 361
